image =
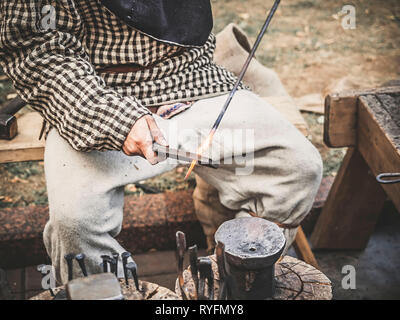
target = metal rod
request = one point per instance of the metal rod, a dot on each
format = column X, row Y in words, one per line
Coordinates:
column 239, row 79
column 193, row 268
column 69, row 258
column 125, row 256
column 206, row 273
column 180, row 254
column 116, row 257
column 80, row 257
column 167, row 152
column 246, row 64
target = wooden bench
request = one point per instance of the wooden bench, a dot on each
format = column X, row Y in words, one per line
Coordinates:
column 368, row 123
column 25, row 146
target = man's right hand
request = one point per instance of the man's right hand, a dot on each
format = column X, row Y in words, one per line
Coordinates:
column 140, row 139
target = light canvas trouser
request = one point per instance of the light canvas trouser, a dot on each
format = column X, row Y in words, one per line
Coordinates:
column 86, row 189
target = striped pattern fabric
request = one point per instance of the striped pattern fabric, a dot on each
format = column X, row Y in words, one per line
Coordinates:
column 53, row 68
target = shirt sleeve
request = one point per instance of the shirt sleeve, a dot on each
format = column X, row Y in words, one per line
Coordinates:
column 44, row 55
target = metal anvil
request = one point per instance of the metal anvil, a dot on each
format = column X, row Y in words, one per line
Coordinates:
column 252, row 247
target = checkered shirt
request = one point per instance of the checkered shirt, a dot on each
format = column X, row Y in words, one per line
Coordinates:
column 53, row 63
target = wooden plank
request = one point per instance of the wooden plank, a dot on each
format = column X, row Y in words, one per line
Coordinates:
column 379, row 141
column 303, row 250
column 287, row 107
column 352, row 207
column 340, row 127
column 340, row 121
column 25, row 146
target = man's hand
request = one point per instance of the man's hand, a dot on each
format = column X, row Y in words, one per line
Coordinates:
column 140, row 139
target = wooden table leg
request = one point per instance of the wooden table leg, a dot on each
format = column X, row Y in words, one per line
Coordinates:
column 303, row 250
column 352, row 207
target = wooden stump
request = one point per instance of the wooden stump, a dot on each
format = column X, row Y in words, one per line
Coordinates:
column 150, row 291
column 295, row 280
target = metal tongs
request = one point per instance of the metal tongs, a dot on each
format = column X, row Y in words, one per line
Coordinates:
column 167, row 152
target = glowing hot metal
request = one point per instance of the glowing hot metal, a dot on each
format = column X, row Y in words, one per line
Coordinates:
column 208, row 140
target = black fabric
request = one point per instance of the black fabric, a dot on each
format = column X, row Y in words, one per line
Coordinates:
column 180, row 22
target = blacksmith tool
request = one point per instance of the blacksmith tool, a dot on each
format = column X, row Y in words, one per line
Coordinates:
column 42, row 269
column 8, row 122
column 101, row 286
column 70, row 260
column 113, row 266
column 180, row 255
column 132, row 267
column 106, row 260
column 387, row 178
column 220, row 253
column 116, row 257
column 80, row 257
column 125, row 256
column 206, row 273
column 207, row 142
column 252, row 247
column 164, row 152
column 194, row 269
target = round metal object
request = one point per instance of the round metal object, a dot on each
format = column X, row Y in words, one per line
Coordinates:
column 252, row 246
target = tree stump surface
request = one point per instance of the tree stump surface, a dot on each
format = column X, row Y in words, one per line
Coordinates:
column 149, row 291
column 294, row 280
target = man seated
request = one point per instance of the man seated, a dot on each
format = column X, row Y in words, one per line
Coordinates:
column 107, row 88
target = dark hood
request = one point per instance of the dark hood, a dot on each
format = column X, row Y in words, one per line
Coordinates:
column 180, row 22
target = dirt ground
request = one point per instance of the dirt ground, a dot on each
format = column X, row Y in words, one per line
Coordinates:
column 306, row 45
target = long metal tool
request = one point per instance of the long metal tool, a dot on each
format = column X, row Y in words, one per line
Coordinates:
column 206, row 273
column 80, row 257
column 164, row 152
column 214, row 128
column 180, row 255
column 70, row 259
column 102, row 286
column 193, row 268
column 252, row 247
column 132, row 267
column 125, row 256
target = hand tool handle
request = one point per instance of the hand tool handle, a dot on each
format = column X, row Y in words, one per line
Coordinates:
column 193, row 268
column 246, row 64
